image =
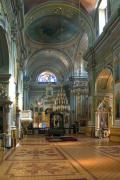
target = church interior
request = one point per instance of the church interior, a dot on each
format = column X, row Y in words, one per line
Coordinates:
column 60, row 89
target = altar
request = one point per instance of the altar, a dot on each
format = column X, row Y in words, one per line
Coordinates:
column 41, row 120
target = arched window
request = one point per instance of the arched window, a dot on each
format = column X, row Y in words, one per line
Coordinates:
column 46, row 77
column 103, row 15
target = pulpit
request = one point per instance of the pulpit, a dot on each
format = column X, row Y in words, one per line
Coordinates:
column 26, row 119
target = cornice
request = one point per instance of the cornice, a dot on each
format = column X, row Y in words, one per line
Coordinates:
column 111, row 26
column 107, row 45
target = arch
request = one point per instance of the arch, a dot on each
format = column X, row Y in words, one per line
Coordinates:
column 104, row 81
column 4, row 54
column 59, row 75
column 50, row 52
column 50, row 60
column 104, row 102
column 85, row 21
column 104, row 113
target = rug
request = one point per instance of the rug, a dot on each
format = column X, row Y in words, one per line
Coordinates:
column 36, row 152
column 68, row 138
column 59, row 168
column 61, row 138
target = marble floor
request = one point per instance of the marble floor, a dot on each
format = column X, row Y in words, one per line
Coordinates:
column 35, row 158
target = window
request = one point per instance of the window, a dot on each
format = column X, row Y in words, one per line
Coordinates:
column 47, row 77
column 103, row 17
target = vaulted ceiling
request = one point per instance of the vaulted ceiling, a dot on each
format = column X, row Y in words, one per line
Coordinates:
column 89, row 5
column 54, row 32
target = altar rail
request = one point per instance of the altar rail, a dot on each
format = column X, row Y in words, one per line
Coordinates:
column 46, row 131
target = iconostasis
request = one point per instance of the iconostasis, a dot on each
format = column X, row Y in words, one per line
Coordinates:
column 41, row 120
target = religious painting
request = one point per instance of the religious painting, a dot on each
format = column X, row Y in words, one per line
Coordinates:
column 56, row 120
column 41, row 120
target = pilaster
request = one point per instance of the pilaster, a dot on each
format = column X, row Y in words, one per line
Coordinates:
column 90, row 129
column 26, row 93
column 115, row 130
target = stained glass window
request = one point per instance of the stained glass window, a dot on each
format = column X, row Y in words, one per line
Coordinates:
column 46, row 77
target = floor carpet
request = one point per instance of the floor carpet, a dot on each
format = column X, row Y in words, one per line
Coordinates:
column 35, row 158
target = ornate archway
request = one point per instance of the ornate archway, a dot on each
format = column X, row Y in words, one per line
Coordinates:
column 104, row 103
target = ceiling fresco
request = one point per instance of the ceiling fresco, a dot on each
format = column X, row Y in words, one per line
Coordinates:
column 53, row 29
column 89, row 5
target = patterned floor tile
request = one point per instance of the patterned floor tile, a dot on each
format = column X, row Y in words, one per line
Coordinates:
column 113, row 151
column 41, row 169
column 35, row 153
column 86, row 159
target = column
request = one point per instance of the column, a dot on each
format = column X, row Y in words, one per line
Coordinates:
column 7, row 121
column 115, row 129
column 18, row 123
column 25, row 96
column 73, row 107
column 90, row 129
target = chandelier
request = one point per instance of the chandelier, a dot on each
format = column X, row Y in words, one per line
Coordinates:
column 61, row 102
